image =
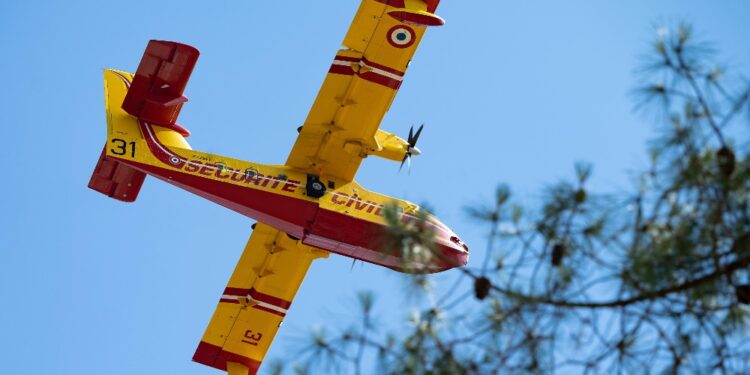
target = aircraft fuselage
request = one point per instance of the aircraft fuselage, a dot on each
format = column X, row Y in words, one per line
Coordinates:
column 346, row 219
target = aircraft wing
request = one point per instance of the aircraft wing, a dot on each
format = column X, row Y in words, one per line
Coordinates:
column 256, row 299
column 341, row 127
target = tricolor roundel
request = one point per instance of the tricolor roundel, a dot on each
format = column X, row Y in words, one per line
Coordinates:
column 401, row 36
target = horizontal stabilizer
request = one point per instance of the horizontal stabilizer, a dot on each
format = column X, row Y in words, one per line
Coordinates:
column 116, row 180
column 155, row 95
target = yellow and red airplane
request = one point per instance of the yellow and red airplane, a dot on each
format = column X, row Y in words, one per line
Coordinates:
column 306, row 208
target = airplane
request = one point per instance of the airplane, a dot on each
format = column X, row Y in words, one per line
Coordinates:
column 305, row 209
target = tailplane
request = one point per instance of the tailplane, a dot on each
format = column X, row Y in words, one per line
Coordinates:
column 116, row 180
column 153, row 95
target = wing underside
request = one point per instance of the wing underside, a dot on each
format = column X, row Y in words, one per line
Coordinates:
column 341, row 127
column 338, row 133
column 255, row 301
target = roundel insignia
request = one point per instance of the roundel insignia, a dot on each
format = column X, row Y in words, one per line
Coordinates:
column 401, row 36
column 174, row 160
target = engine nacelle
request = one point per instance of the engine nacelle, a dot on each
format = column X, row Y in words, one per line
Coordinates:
column 390, row 146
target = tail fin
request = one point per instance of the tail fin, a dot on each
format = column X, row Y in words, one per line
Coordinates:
column 111, row 177
column 153, row 95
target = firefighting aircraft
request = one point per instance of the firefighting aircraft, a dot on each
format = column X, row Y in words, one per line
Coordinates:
column 306, row 208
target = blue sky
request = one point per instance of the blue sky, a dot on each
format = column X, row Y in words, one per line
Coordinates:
column 511, row 91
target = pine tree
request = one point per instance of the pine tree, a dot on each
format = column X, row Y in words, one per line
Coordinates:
column 654, row 281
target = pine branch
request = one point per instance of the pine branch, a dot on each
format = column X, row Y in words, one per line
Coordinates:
column 647, row 296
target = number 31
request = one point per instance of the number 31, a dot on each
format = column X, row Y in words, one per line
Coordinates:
column 120, row 147
column 252, row 338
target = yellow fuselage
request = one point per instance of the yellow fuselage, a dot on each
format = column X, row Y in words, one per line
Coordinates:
column 347, row 219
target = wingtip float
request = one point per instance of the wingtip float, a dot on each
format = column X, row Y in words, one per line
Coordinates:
column 306, row 208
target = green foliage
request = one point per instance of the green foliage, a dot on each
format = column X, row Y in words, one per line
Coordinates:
column 652, row 281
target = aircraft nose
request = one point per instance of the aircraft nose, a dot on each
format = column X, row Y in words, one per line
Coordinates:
column 460, row 243
column 414, row 151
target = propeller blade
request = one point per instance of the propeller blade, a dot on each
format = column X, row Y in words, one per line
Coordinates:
column 412, row 149
column 413, row 141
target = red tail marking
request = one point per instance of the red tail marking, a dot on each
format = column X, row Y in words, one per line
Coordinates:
column 115, row 179
column 216, row 357
column 155, row 95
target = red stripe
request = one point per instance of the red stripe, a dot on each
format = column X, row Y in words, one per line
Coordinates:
column 258, row 296
column 381, row 80
column 370, row 75
column 382, row 67
column 347, row 58
column 259, row 307
column 336, row 232
column 267, row 298
column 123, row 78
column 216, row 357
column 154, row 146
column 332, row 231
column 266, row 309
column 341, row 69
column 236, row 292
column 287, row 214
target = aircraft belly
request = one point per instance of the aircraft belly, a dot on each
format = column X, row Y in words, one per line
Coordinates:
column 337, row 232
column 285, row 213
column 362, row 239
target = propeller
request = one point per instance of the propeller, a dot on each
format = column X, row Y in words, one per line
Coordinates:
column 412, row 150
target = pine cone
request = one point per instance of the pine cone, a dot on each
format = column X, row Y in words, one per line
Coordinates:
column 743, row 294
column 482, row 287
column 725, row 156
column 558, row 251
